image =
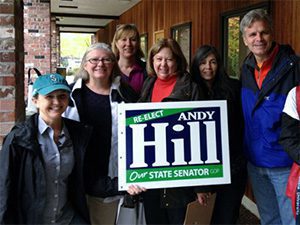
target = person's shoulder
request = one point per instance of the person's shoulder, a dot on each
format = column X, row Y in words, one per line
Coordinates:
column 141, row 63
column 16, row 131
column 292, row 94
column 286, row 50
column 290, row 106
column 127, row 92
column 24, row 126
column 77, row 84
column 76, row 128
column 150, row 79
column 236, row 83
column 23, row 132
column 74, row 123
column 72, row 85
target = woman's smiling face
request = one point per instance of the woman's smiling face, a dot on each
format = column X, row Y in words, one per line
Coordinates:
column 99, row 64
column 164, row 63
column 127, row 45
column 52, row 105
column 208, row 68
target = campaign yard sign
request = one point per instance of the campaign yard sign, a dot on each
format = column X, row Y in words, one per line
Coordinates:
column 173, row 144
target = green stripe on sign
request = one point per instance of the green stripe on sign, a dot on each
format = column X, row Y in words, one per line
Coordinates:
column 173, row 173
column 154, row 115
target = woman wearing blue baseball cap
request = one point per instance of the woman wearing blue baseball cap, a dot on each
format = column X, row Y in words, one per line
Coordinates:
column 41, row 162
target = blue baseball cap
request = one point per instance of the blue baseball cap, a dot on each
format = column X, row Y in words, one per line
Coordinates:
column 47, row 83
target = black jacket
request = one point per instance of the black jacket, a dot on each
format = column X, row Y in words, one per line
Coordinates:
column 290, row 137
column 229, row 89
column 22, row 173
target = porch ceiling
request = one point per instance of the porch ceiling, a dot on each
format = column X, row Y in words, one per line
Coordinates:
column 87, row 15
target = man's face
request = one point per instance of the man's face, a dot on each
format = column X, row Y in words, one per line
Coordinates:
column 258, row 38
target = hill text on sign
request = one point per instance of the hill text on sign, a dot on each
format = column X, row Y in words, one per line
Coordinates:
column 173, row 144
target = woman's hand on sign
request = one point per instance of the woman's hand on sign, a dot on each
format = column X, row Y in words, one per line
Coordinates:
column 135, row 189
column 202, row 197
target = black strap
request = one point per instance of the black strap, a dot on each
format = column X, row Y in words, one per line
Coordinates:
column 36, row 71
column 298, row 186
column 298, row 99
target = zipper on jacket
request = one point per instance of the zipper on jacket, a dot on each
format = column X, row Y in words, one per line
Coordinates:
column 165, row 202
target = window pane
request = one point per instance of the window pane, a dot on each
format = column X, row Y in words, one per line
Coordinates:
column 182, row 35
column 233, row 46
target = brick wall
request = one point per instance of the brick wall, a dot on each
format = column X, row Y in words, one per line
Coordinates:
column 39, row 40
column 12, row 107
column 37, row 35
column 25, row 41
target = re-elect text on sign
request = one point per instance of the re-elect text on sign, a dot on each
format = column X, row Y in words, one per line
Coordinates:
column 173, row 144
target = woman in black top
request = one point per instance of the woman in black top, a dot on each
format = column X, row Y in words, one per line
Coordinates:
column 94, row 99
column 208, row 72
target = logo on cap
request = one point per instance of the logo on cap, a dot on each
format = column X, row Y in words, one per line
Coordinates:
column 53, row 78
column 48, row 83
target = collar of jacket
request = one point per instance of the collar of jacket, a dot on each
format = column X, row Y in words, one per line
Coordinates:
column 182, row 90
column 285, row 51
column 78, row 85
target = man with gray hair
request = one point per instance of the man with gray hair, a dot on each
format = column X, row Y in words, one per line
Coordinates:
column 268, row 73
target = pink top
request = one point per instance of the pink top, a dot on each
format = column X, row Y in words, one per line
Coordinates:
column 135, row 78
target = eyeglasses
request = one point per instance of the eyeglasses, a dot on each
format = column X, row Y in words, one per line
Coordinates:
column 103, row 60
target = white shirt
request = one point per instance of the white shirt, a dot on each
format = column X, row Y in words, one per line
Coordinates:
column 290, row 106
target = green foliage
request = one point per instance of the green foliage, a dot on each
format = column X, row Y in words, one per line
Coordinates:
column 233, row 46
column 74, row 45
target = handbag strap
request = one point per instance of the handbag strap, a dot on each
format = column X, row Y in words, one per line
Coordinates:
column 29, row 72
